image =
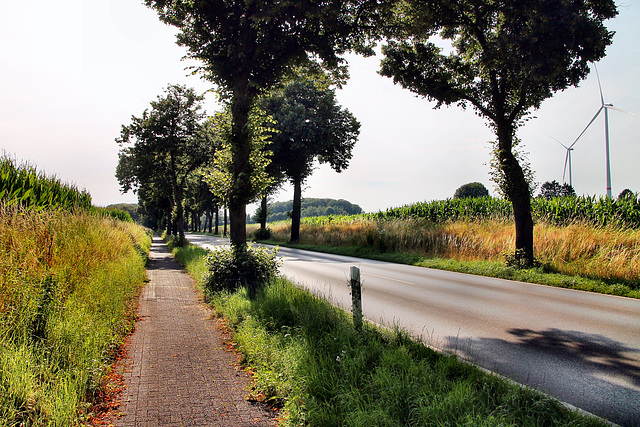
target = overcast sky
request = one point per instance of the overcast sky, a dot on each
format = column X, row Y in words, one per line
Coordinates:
column 73, row 71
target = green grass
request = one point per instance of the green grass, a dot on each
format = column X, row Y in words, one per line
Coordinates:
column 308, row 358
column 190, row 256
column 539, row 275
column 68, row 289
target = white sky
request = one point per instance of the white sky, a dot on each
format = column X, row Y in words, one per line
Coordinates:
column 73, row 71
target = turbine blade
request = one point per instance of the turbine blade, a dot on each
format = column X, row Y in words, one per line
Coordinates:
column 586, row 127
column 559, row 142
column 599, row 86
column 564, row 171
column 611, row 107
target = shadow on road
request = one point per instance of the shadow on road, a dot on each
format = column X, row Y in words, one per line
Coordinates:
column 600, row 352
column 552, row 359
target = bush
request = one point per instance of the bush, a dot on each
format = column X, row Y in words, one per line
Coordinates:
column 236, row 266
column 262, row 234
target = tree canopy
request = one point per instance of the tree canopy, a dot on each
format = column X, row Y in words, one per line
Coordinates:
column 219, row 173
column 471, row 190
column 627, row 194
column 247, row 46
column 506, row 58
column 161, row 148
column 309, row 125
column 553, row 189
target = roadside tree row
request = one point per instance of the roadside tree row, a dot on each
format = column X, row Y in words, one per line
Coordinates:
column 503, row 59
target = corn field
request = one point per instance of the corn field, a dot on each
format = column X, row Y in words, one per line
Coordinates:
column 24, row 186
column 599, row 212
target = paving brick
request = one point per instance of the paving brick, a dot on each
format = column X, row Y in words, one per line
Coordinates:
column 177, row 371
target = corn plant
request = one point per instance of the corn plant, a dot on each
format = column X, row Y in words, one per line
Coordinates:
column 24, row 186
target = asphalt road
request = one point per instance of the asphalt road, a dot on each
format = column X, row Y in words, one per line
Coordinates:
column 581, row 347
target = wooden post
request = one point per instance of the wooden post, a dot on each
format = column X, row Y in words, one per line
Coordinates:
column 356, row 298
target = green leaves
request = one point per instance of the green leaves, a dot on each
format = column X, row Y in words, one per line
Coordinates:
column 161, row 148
column 234, row 267
column 310, row 125
column 26, row 187
column 220, row 175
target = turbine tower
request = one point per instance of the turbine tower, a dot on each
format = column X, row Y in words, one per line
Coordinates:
column 606, row 108
column 567, row 159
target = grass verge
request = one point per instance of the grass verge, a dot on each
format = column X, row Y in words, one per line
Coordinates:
column 308, row 358
column 577, row 256
column 489, row 268
column 68, row 282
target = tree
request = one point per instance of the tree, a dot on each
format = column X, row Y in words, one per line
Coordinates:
column 220, row 173
column 506, row 58
column 497, row 174
column 626, row 194
column 553, row 189
column 247, row 46
column 471, row 190
column 130, row 208
column 162, row 148
column 309, row 125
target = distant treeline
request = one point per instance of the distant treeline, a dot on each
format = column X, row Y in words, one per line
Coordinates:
column 311, row 207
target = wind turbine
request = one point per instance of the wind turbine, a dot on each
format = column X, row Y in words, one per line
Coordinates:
column 606, row 108
column 567, row 159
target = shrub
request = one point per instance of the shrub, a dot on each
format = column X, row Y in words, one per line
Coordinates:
column 262, row 234
column 236, row 266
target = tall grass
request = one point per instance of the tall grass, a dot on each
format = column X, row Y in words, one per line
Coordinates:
column 67, row 282
column 307, row 356
column 603, row 253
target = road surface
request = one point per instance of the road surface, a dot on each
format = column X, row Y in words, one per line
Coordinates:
column 581, row 347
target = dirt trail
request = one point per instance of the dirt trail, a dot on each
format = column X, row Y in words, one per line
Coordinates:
column 177, row 372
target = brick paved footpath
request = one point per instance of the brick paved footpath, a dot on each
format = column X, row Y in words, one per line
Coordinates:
column 177, row 372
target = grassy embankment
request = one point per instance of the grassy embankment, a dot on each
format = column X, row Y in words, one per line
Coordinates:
column 308, row 358
column 68, row 278
column 573, row 253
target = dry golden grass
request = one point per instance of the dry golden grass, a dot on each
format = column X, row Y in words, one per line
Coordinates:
column 605, row 253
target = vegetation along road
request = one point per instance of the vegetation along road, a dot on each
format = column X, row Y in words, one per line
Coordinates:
column 583, row 348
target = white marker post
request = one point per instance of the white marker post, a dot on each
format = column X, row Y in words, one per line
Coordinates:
column 356, row 298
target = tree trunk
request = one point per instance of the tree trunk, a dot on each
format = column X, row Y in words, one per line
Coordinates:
column 241, row 102
column 296, row 211
column 217, row 220
column 224, row 232
column 180, row 219
column 263, row 213
column 177, row 197
column 169, row 222
column 518, row 192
